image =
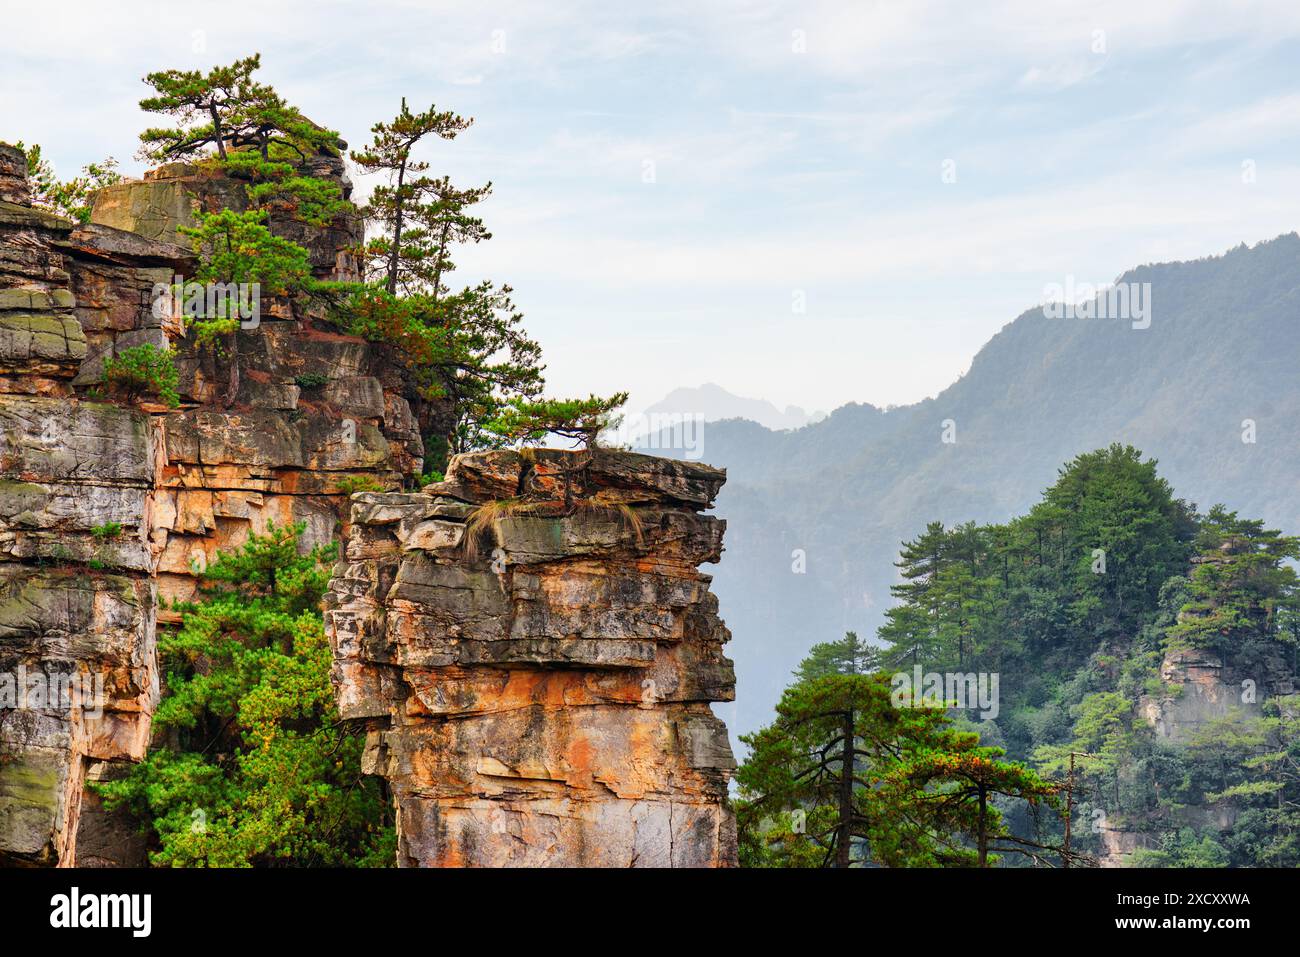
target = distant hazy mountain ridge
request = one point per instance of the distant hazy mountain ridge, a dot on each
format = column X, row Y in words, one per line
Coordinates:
column 1210, row 387
column 712, row 403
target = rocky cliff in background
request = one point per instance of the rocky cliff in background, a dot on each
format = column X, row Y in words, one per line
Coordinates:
column 313, row 410
column 536, row 678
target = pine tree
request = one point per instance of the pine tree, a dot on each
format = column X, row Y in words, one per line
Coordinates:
column 579, row 419
column 956, row 785
column 911, row 629
column 843, row 777
column 227, row 108
column 206, row 107
column 467, row 349
column 237, row 248
column 71, row 198
column 418, row 215
column 848, row 656
column 1243, row 589
column 254, row 767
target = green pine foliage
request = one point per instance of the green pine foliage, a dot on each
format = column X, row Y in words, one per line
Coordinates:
column 531, row 421
column 465, row 347
column 1084, row 567
column 143, row 370
column 467, row 350
column 1075, row 605
column 418, row 216
column 251, row 765
column 239, row 248
column 843, row 777
column 281, row 185
column 226, row 109
column 848, row 656
column 1244, row 587
column 69, row 198
column 258, row 137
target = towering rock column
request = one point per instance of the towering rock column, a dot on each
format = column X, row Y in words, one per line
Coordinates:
column 535, row 676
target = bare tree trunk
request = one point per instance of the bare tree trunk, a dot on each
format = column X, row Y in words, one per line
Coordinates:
column 395, row 252
column 844, row 846
column 233, row 389
column 442, row 253
column 216, row 130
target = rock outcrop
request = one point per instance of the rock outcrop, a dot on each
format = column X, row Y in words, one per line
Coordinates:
column 1197, row 689
column 537, row 678
column 106, row 511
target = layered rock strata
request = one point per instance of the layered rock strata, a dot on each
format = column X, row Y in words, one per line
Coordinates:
column 107, row 511
column 78, row 678
column 536, row 677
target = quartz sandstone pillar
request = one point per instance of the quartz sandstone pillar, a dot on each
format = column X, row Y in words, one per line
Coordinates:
column 536, row 678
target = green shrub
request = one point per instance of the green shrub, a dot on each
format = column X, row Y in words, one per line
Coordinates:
column 140, row 370
column 359, row 483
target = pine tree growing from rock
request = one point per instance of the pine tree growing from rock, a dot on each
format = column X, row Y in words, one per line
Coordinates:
column 206, row 107
column 468, row 350
column 412, row 259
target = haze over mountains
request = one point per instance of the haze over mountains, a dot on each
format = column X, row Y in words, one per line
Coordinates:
column 1211, row 389
column 712, row 403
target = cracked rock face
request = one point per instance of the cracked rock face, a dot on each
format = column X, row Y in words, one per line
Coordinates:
column 536, row 678
column 106, row 510
column 78, row 676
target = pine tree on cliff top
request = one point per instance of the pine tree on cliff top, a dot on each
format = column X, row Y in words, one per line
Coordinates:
column 579, row 419
column 226, row 108
column 467, row 348
column 203, row 105
column 1244, row 588
column 419, row 216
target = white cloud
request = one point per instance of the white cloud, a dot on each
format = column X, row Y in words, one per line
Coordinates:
column 1061, row 75
column 773, row 168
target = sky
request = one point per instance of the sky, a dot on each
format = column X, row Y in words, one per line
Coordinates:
column 811, row 203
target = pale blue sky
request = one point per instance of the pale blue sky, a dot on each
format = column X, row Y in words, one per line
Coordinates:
column 797, row 149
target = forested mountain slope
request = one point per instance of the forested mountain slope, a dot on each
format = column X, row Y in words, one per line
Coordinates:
column 1222, row 348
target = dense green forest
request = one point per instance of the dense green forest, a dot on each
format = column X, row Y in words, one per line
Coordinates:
column 1092, row 611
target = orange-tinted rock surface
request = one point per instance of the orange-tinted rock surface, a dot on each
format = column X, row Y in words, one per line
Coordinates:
column 537, row 679
column 106, row 509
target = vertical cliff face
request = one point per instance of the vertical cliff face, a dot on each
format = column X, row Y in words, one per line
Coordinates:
column 78, row 678
column 106, row 511
column 312, row 409
column 537, row 677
